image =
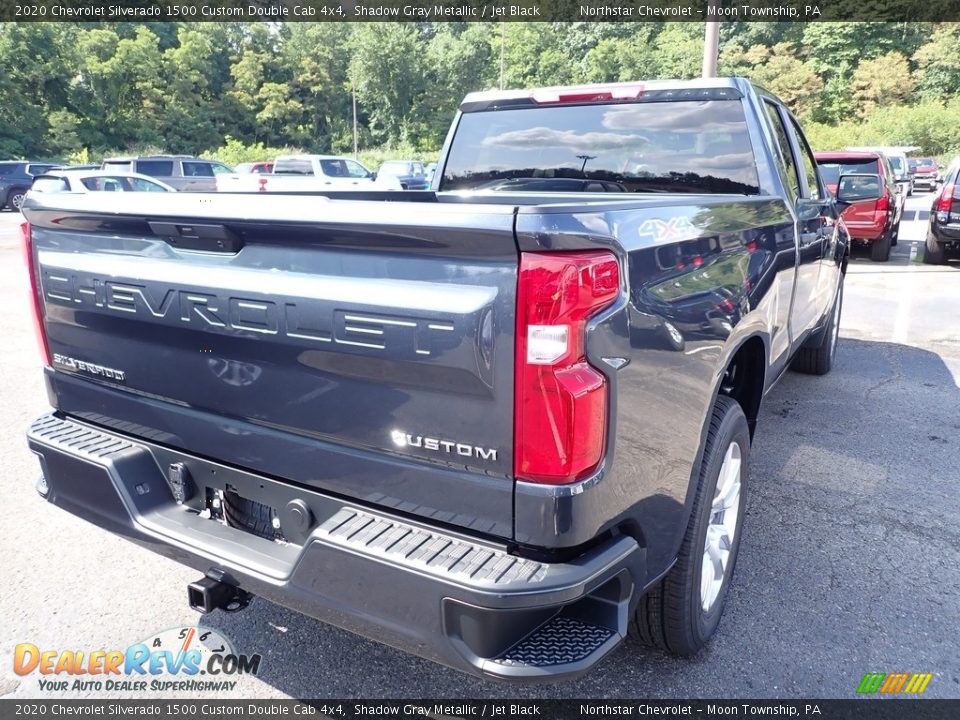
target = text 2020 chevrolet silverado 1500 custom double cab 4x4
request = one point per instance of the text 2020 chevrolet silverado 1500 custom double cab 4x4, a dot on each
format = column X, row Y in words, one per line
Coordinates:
column 496, row 428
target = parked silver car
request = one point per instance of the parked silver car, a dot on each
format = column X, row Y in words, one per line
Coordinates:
column 182, row 172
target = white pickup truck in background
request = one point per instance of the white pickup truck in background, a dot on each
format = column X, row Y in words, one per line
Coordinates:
column 292, row 173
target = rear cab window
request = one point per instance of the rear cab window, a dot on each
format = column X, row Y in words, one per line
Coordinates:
column 677, row 146
column 831, row 170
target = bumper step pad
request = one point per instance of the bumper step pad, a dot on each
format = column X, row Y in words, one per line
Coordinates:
column 560, row 641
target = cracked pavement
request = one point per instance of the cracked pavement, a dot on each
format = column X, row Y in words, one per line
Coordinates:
column 850, row 559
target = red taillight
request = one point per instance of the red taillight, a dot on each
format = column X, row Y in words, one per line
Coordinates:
column 883, row 203
column 945, row 201
column 560, row 412
column 41, row 334
column 586, row 93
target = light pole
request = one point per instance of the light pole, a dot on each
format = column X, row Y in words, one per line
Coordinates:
column 502, row 42
column 355, row 143
column 711, row 42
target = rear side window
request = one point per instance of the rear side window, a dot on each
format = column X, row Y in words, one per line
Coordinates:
column 197, row 169
column 37, row 169
column 333, row 168
column 8, row 169
column 831, row 170
column 50, row 184
column 788, row 168
column 808, row 163
column 157, row 168
column 293, row 167
column 144, row 185
column 700, row 146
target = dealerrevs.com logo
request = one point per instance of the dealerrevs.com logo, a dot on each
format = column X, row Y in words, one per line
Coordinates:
column 191, row 659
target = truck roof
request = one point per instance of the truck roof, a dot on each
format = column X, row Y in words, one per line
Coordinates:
column 846, row 155
column 312, row 157
column 708, row 88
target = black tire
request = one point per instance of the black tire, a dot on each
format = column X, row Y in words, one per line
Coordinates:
column 880, row 248
column 816, row 356
column 671, row 616
column 933, row 252
column 249, row 515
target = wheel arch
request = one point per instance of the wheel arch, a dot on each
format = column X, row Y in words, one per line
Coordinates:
column 744, row 378
column 751, row 354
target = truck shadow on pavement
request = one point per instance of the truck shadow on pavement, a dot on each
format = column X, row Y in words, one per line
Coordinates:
column 848, row 565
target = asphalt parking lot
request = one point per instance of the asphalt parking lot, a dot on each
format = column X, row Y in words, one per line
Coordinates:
column 850, row 560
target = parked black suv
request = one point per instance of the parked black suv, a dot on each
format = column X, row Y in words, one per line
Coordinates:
column 943, row 233
column 15, row 179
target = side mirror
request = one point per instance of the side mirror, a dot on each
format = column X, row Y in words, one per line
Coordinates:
column 372, row 176
column 859, row 188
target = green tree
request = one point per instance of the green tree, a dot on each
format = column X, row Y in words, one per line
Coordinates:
column 938, row 64
column 459, row 60
column 624, row 58
column 881, row 82
column 781, row 72
column 534, row 56
column 387, row 72
column 314, row 59
column 679, row 50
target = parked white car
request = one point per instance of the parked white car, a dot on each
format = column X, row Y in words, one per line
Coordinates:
column 96, row 181
column 309, row 172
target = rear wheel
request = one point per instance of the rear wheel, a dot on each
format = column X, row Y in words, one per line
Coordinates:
column 817, row 359
column 15, row 198
column 880, row 248
column 682, row 612
column 933, row 252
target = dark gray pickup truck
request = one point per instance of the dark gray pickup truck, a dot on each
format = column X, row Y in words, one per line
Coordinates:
column 503, row 423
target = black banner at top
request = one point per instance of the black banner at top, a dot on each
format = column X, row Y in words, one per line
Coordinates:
column 478, row 10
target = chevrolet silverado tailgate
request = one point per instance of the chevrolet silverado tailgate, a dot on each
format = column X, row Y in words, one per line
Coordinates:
column 360, row 347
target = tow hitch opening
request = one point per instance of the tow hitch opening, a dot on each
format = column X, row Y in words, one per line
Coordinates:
column 209, row 593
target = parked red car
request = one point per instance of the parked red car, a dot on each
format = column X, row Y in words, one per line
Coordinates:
column 258, row 168
column 926, row 172
column 876, row 222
